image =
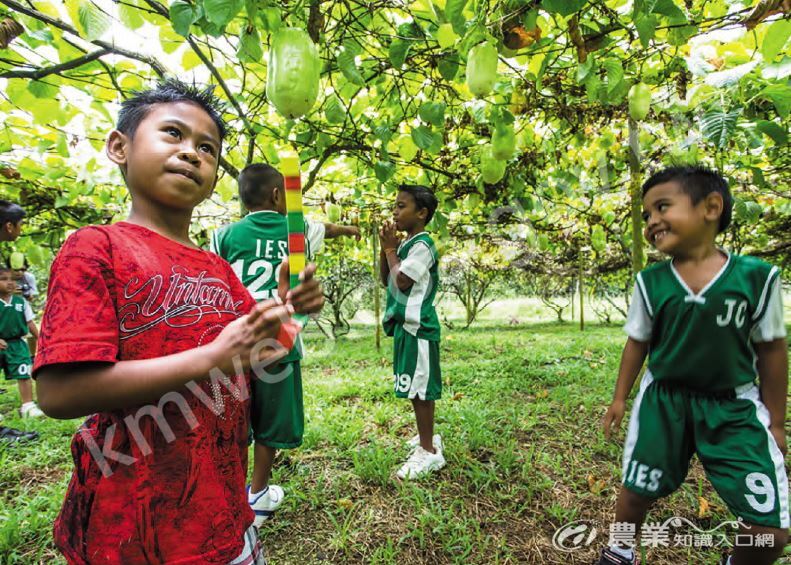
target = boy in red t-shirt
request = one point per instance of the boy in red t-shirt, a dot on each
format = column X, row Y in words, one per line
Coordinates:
column 153, row 337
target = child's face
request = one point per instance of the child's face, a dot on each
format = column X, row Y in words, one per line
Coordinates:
column 405, row 213
column 12, row 230
column 171, row 162
column 18, row 274
column 7, row 283
column 672, row 222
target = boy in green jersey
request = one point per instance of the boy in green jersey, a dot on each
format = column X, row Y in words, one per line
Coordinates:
column 410, row 270
column 255, row 247
column 709, row 322
column 16, row 321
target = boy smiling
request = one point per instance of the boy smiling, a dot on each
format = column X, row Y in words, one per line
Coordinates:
column 138, row 317
column 710, row 323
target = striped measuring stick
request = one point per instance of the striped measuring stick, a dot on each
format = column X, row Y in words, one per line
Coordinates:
column 295, row 216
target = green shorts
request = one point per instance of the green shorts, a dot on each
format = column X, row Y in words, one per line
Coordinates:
column 277, row 413
column 729, row 433
column 15, row 360
column 416, row 372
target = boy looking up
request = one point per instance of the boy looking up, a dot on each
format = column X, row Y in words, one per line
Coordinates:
column 16, row 321
column 410, row 270
column 255, row 247
column 153, row 338
column 710, row 323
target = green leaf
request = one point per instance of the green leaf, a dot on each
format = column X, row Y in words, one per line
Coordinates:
column 131, row 17
column 563, row 7
column 454, row 12
column 384, row 170
column 249, row 48
column 775, row 38
column 93, row 21
column 448, row 67
column 398, row 51
column 334, row 110
column 182, row 16
column 46, row 111
column 348, row 66
column 584, row 69
column 425, row 139
column 270, row 18
column 778, row 133
column 780, row 95
column 747, row 211
column 718, row 126
column 615, row 74
column 433, row 113
column 671, row 10
column 678, row 36
column 41, row 89
column 221, row 12
column 646, row 29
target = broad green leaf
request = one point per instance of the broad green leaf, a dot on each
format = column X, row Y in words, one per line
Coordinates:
column 182, row 16
column 221, row 12
column 718, row 126
column 433, row 113
column 778, row 133
column 384, row 170
column 41, row 89
column 671, row 10
column 398, row 51
column 190, row 60
column 271, row 19
column 448, row 67
column 93, row 21
column 646, row 28
column 334, row 110
column 780, row 95
column 46, row 111
column 130, row 16
column 454, row 12
column 776, row 37
column 347, row 64
column 563, row 7
column 615, row 73
column 249, row 48
column 423, row 137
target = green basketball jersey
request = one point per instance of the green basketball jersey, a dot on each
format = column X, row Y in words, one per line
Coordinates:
column 12, row 318
column 702, row 341
column 255, row 246
column 413, row 309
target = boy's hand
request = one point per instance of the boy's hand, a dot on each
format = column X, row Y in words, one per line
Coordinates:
column 353, row 231
column 612, row 419
column 3, row 344
column 387, row 236
column 307, row 297
column 251, row 338
column 779, row 433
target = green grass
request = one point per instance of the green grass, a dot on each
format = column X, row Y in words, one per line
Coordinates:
column 519, row 419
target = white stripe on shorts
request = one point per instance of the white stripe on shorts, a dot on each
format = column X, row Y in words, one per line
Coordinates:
column 751, row 393
column 422, row 368
column 252, row 553
column 634, row 424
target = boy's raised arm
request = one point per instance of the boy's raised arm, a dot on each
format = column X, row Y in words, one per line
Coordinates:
column 72, row 390
column 331, row 231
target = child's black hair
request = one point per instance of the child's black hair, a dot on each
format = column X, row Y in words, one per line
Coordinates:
column 10, row 212
column 5, row 269
column 424, row 198
column 256, row 183
column 698, row 182
column 168, row 91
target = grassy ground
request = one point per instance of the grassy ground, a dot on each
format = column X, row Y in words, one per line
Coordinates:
column 519, row 419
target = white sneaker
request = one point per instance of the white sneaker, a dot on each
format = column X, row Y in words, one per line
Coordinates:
column 265, row 503
column 436, row 440
column 30, row 410
column 420, row 463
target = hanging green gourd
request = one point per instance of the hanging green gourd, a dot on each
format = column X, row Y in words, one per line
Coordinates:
column 503, row 142
column 639, row 101
column 292, row 80
column 482, row 69
column 492, row 169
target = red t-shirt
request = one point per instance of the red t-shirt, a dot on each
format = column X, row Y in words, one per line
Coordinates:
column 124, row 292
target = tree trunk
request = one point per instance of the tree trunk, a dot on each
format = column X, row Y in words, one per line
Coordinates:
column 582, row 293
column 635, row 197
column 377, row 305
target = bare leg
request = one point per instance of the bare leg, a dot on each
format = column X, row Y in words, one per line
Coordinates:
column 631, row 508
column 424, row 414
column 263, row 459
column 25, row 390
column 744, row 555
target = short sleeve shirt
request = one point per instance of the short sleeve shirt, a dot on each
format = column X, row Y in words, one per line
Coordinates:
column 165, row 486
